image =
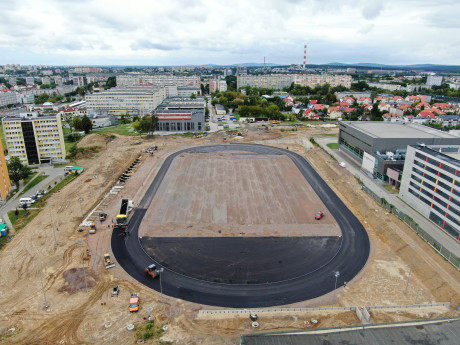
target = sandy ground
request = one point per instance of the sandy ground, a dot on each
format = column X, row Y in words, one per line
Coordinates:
column 36, row 273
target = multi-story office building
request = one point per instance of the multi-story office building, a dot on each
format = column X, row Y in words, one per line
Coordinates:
column 380, row 147
column 430, row 184
column 8, row 98
column 312, row 80
column 158, row 80
column 34, row 139
column 181, row 115
column 5, row 183
column 139, row 100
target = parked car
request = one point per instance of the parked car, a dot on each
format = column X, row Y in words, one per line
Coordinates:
column 115, row 291
column 41, row 192
column 319, row 215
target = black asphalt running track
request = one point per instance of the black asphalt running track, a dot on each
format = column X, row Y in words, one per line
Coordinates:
column 246, row 272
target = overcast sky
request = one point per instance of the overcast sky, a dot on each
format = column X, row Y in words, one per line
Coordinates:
column 174, row 32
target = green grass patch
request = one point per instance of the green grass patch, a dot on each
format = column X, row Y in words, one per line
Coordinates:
column 123, row 129
column 329, row 135
column 23, row 218
column 391, row 188
column 186, row 134
column 58, row 186
column 333, row 146
column 29, row 178
column 34, row 182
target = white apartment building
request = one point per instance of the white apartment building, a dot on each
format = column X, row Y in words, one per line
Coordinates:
column 280, row 81
column 434, row 80
column 217, row 85
column 269, row 81
column 158, row 80
column 8, row 97
column 34, row 139
column 313, row 80
column 128, row 100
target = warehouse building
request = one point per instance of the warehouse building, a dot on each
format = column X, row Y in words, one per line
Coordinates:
column 429, row 184
column 380, row 147
column 34, row 139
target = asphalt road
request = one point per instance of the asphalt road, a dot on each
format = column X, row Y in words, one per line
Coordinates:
column 349, row 259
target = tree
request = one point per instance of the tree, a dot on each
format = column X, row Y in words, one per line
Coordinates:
column 111, row 82
column 147, row 124
column 193, row 96
column 68, row 118
column 17, row 170
column 77, row 123
column 86, row 124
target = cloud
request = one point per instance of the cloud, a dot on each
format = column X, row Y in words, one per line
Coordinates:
column 145, row 44
column 228, row 31
column 372, row 9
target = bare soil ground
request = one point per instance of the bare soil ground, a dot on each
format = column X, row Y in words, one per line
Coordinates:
column 273, row 199
column 36, row 273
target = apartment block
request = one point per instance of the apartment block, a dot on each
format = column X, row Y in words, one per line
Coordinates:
column 434, row 80
column 5, row 183
column 429, row 184
column 34, row 139
column 269, row 81
column 158, row 80
column 8, row 98
column 138, row 100
column 313, row 80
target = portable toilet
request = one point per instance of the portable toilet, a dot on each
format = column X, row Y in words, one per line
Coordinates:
column 3, row 230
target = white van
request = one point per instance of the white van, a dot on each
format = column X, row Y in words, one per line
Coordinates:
column 28, row 201
column 68, row 168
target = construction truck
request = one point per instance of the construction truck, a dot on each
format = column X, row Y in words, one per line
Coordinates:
column 92, row 228
column 107, row 261
column 152, row 271
column 102, row 216
column 123, row 217
column 134, row 302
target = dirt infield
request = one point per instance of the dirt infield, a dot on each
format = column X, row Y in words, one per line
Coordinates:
column 235, row 194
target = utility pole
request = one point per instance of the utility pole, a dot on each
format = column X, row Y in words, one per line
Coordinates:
column 45, row 302
column 161, row 288
column 336, row 275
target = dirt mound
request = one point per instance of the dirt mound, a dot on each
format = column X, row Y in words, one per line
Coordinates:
column 77, row 279
column 95, row 140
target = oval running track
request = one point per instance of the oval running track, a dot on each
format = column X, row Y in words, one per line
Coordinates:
column 349, row 260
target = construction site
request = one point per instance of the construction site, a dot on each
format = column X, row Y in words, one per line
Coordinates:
column 62, row 292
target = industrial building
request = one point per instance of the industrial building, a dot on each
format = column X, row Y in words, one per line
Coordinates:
column 429, row 184
column 139, row 100
column 34, row 139
column 181, row 115
column 187, row 91
column 380, row 147
column 5, row 182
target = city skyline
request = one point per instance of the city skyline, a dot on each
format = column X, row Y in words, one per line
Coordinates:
column 151, row 33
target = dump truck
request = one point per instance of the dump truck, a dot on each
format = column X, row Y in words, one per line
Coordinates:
column 107, row 261
column 134, row 302
column 152, row 271
column 123, row 217
column 92, row 228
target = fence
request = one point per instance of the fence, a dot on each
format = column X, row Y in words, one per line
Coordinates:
column 454, row 260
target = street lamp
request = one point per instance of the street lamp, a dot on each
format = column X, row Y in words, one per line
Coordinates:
column 161, row 287
column 336, row 275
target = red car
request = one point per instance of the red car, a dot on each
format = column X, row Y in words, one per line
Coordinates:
column 319, row 215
